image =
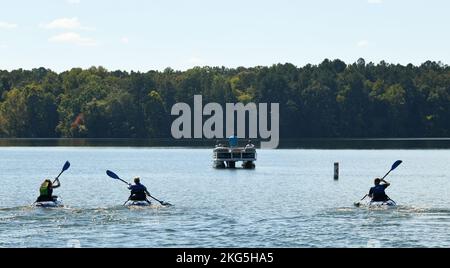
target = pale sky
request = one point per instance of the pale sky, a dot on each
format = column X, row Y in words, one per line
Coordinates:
column 154, row 34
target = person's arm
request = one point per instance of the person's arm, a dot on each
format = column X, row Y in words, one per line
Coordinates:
column 147, row 192
column 57, row 184
column 386, row 184
column 370, row 193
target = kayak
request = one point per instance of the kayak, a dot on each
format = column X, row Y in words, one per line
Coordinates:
column 373, row 204
column 137, row 204
column 49, row 204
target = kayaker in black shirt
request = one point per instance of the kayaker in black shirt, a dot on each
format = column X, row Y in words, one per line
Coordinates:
column 377, row 193
column 46, row 191
column 138, row 191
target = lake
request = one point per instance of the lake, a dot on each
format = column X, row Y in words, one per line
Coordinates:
column 289, row 200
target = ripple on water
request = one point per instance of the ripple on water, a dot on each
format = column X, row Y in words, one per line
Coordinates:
column 178, row 227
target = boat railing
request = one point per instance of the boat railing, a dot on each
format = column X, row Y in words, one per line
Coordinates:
column 234, row 154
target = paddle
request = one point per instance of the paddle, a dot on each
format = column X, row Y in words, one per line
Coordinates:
column 65, row 167
column 394, row 166
column 116, row 177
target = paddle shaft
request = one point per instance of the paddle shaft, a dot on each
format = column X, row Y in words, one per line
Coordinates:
column 123, row 181
column 386, row 174
column 162, row 203
column 66, row 167
column 58, row 176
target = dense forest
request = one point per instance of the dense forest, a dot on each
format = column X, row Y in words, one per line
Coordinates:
column 332, row 99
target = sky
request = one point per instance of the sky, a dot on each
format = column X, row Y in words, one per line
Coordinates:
column 142, row 35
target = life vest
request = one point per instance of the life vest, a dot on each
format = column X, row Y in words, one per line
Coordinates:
column 44, row 190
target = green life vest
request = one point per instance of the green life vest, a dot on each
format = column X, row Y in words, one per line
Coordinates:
column 44, row 189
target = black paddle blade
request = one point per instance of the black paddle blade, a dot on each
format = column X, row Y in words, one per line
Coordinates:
column 396, row 164
column 66, row 166
column 112, row 174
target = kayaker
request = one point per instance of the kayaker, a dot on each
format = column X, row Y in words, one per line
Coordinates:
column 138, row 191
column 377, row 193
column 46, row 191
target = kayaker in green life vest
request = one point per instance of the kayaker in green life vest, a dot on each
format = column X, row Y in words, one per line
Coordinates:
column 46, row 191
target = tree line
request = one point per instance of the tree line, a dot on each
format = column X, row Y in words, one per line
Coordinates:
column 331, row 99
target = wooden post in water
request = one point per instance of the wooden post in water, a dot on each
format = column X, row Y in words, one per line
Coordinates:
column 336, row 171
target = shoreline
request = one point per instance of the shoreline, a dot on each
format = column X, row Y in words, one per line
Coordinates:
column 304, row 143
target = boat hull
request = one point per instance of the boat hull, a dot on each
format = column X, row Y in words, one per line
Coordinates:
column 138, row 204
column 382, row 204
column 49, row 204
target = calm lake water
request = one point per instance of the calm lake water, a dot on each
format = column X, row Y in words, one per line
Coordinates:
column 290, row 200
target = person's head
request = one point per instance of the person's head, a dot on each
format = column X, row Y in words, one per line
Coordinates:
column 137, row 180
column 48, row 183
column 377, row 181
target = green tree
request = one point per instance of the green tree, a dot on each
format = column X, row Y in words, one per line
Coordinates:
column 29, row 112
